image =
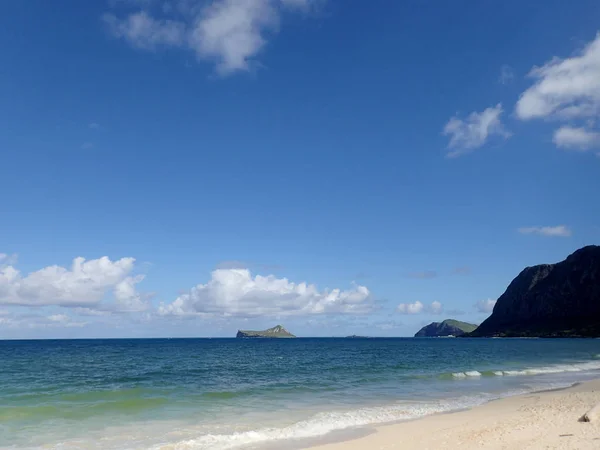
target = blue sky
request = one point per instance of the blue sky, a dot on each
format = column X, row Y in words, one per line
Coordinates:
column 336, row 166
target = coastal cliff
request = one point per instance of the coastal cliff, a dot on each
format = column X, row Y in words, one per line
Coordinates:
column 550, row 300
column 275, row 332
column 448, row 327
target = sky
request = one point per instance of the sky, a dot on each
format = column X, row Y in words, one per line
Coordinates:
column 185, row 168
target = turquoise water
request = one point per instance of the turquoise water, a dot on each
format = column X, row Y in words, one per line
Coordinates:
column 228, row 393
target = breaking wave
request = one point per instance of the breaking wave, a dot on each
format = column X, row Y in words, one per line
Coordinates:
column 324, row 423
column 553, row 369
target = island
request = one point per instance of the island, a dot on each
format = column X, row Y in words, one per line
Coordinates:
column 276, row 332
column 550, row 300
column 354, row 336
column 447, row 328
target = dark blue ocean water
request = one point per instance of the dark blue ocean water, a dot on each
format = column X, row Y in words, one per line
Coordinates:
column 227, row 393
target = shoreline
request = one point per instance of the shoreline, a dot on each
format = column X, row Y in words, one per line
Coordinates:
column 537, row 420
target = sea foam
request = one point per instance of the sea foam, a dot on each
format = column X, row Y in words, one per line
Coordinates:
column 470, row 373
column 552, row 369
column 324, row 423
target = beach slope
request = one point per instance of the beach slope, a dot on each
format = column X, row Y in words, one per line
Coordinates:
column 545, row 420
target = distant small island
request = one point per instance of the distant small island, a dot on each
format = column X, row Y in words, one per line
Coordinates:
column 448, row 327
column 354, row 336
column 277, row 332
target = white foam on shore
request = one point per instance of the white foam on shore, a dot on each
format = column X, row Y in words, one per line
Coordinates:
column 558, row 368
column 327, row 422
column 324, row 423
column 554, row 369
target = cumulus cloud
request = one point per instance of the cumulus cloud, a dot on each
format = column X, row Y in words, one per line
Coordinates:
column 410, row 308
column 127, row 298
column 576, row 138
column 485, row 306
column 229, row 32
column 418, row 308
column 473, row 132
column 84, row 284
column 557, row 231
column 436, row 308
column 568, row 90
column 237, row 293
column 564, row 88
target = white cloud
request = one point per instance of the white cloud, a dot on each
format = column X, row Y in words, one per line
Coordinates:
column 144, row 32
column 59, row 320
column 236, row 293
column 232, row 32
column 229, row 32
column 418, row 308
column 567, row 90
column 436, row 308
column 410, row 308
column 564, row 88
column 127, row 298
column 36, row 321
column 485, row 306
column 91, row 312
column 576, row 138
column 85, row 284
column 557, row 231
column 473, row 132
column 507, row 74
column 7, row 260
column 94, row 126
column 62, row 318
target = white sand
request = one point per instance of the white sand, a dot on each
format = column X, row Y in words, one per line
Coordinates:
column 547, row 420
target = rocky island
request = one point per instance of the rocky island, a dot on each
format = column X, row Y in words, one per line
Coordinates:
column 448, row 327
column 550, row 300
column 275, row 332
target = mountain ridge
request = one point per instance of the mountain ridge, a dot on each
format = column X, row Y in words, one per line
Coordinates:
column 550, row 300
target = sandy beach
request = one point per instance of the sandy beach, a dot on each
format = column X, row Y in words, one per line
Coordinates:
column 545, row 420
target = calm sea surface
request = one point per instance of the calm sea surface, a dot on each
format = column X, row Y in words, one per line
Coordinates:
column 229, row 393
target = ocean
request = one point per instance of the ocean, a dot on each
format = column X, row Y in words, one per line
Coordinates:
column 237, row 393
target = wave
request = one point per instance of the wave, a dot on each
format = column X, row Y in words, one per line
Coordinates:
column 324, row 423
column 553, row 369
column 470, row 373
